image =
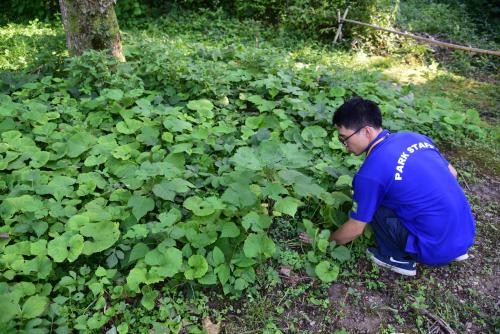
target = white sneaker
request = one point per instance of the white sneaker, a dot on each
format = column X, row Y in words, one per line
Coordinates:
column 402, row 266
column 462, row 257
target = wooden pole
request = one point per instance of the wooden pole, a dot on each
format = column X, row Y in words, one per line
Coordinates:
column 424, row 39
column 339, row 29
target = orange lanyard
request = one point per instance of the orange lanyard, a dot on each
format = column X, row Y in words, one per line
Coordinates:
column 375, row 144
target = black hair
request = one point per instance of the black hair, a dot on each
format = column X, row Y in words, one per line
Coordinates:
column 357, row 113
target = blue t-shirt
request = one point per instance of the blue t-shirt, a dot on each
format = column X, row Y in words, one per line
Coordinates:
column 406, row 173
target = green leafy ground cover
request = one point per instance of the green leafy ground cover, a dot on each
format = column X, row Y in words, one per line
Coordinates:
column 185, row 172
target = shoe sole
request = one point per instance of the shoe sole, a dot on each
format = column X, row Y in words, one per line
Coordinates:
column 462, row 257
column 393, row 268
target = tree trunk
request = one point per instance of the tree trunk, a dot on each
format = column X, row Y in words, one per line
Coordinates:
column 91, row 24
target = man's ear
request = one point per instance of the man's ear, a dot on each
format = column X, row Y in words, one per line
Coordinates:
column 369, row 132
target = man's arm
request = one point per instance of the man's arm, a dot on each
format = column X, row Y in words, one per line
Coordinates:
column 453, row 171
column 348, row 232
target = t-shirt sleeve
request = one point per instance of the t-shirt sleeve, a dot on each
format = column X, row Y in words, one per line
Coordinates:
column 368, row 194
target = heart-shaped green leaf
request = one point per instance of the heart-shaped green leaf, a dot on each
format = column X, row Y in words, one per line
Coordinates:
column 167, row 189
column 34, row 306
column 258, row 245
column 203, row 206
column 100, row 236
column 66, row 246
column 140, row 205
column 198, row 267
column 203, row 107
column 287, row 205
column 229, row 230
column 326, row 271
column 165, row 262
column 341, row 253
column 79, row 143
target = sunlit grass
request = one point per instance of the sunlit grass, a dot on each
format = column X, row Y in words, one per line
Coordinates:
column 30, row 45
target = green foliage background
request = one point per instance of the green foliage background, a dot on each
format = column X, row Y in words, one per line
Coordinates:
column 312, row 18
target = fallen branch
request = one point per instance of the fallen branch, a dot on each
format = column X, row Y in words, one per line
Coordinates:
column 424, row 39
column 444, row 326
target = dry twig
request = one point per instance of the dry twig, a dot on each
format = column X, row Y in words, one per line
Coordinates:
column 442, row 324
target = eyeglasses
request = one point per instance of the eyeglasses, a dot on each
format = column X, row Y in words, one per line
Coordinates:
column 344, row 140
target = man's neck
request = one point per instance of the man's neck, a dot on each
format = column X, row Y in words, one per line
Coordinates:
column 372, row 136
column 374, row 133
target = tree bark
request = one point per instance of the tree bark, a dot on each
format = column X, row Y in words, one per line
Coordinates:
column 91, row 24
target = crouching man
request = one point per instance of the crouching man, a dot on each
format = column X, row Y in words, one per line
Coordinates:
column 406, row 191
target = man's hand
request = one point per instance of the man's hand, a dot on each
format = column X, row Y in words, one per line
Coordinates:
column 344, row 234
column 453, row 171
column 349, row 231
column 305, row 238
